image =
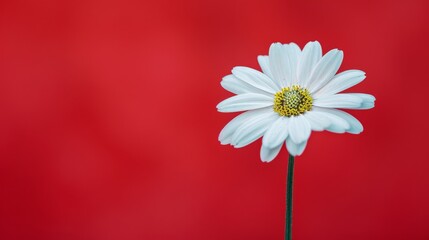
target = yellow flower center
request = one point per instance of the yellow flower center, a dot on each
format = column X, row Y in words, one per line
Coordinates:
column 292, row 101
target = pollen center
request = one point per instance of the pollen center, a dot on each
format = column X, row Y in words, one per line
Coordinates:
column 292, row 101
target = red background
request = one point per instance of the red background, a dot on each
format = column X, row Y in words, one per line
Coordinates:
column 108, row 125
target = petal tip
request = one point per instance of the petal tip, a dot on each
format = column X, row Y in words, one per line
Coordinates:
column 267, row 159
column 275, row 44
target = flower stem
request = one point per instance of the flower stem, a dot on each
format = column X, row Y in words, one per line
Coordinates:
column 289, row 188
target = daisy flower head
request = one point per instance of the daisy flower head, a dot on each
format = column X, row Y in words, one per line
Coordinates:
column 297, row 92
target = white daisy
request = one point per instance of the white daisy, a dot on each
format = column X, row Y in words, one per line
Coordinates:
column 297, row 92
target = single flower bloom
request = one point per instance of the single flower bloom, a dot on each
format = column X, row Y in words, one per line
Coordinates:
column 298, row 91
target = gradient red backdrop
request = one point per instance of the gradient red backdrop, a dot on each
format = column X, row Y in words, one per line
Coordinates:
column 108, row 125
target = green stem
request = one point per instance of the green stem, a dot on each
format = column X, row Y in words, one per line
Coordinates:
column 288, row 228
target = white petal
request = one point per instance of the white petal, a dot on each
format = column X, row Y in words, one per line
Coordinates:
column 325, row 69
column 268, row 154
column 355, row 126
column 245, row 101
column 232, row 84
column 342, row 100
column 346, row 101
column 340, row 82
column 295, row 48
column 337, row 124
column 253, row 129
column 225, row 135
column 299, row 129
column 279, row 64
column 292, row 55
column 255, row 78
column 237, row 86
column 367, row 100
column 318, row 121
column 277, row 133
column 295, row 149
column 264, row 63
column 311, row 54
